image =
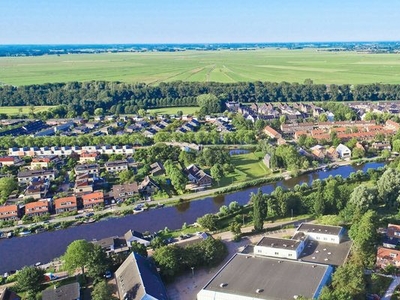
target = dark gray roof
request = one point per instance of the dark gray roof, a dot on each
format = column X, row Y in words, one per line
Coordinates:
column 326, row 253
column 278, row 243
column 66, row 292
column 278, row 279
column 323, row 229
column 137, row 278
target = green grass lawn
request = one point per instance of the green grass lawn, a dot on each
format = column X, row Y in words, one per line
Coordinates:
column 247, row 167
column 222, row 66
column 173, row 110
column 14, row 110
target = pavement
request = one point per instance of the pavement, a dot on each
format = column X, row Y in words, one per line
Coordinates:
column 392, row 287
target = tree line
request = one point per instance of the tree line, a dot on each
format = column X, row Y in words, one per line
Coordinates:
column 120, row 97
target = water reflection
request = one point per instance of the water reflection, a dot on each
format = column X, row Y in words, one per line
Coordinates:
column 183, row 206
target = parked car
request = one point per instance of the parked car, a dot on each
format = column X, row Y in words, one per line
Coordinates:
column 108, row 274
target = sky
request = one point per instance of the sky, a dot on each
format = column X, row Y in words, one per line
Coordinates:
column 197, row 21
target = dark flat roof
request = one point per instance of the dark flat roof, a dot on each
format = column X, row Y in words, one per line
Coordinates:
column 326, row 253
column 278, row 278
column 278, row 243
column 315, row 228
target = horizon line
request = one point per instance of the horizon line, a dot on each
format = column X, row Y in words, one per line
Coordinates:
column 202, row 43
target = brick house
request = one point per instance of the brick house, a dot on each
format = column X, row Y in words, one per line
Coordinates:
column 9, row 213
column 93, row 199
column 65, row 204
column 37, row 208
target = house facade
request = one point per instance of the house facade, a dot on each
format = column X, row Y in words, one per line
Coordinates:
column 37, row 208
column 29, row 175
column 121, row 192
column 9, row 213
column 65, row 204
column 93, row 199
column 116, row 166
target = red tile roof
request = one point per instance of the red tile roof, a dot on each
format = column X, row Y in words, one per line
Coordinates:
column 38, row 206
column 65, row 202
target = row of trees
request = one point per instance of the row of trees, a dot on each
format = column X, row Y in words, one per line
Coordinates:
column 120, row 97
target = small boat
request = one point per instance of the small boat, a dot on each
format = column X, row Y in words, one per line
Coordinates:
column 24, row 233
column 160, row 205
column 91, row 220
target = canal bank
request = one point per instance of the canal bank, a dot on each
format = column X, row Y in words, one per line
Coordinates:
column 18, row 252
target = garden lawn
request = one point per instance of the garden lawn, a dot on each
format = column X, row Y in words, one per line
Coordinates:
column 248, row 166
column 15, row 110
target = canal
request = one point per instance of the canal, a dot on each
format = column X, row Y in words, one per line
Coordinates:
column 18, row 252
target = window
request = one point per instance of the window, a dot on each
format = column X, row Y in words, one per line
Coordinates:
column 276, row 253
column 290, row 254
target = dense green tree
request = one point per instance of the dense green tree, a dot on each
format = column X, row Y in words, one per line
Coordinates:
column 102, row 291
column 217, row 172
column 97, row 263
column 139, row 249
column 389, row 186
column 7, row 186
column 168, row 260
column 259, row 209
column 207, row 221
column 29, row 279
column 209, row 104
column 348, row 283
column 77, row 255
column 363, row 232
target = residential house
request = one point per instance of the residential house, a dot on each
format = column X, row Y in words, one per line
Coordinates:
column 148, row 186
column 331, row 153
column 392, row 125
column 157, row 169
column 84, row 183
column 272, row 133
column 132, row 236
column 93, row 199
column 10, row 161
column 65, row 204
column 37, row 189
column 121, row 192
column 37, row 208
column 198, row 176
column 381, row 146
column 137, row 278
column 9, row 213
column 71, row 291
column 113, row 245
column 87, row 169
column 318, row 152
column 343, row 151
column 43, row 161
column 116, row 166
column 392, row 236
column 29, row 175
column 88, row 157
column 386, row 257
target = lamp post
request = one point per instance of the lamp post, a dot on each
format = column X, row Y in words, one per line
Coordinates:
column 192, row 271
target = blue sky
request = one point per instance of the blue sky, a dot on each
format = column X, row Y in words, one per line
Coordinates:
column 197, row 21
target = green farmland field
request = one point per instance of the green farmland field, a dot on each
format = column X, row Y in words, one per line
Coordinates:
column 14, row 110
column 222, row 66
column 173, row 110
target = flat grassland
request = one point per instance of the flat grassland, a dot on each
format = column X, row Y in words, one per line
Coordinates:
column 221, row 66
column 15, row 110
column 189, row 110
column 247, row 167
